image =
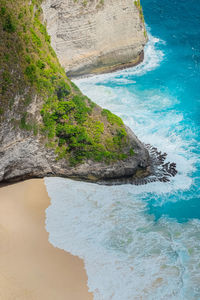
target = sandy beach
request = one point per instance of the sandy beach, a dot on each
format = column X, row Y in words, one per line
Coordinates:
column 30, row 267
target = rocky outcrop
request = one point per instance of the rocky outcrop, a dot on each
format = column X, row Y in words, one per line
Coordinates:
column 24, row 156
column 95, row 36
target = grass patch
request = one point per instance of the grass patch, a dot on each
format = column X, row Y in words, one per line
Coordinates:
column 112, row 119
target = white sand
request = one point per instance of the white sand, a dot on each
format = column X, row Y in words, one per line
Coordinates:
column 30, row 267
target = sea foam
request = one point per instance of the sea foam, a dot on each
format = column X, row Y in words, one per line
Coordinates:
column 127, row 255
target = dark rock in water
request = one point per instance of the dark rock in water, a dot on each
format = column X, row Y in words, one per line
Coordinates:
column 156, row 171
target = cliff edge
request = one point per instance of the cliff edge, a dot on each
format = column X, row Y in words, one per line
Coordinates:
column 47, row 126
column 95, row 36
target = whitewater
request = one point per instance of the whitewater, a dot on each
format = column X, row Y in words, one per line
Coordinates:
column 137, row 242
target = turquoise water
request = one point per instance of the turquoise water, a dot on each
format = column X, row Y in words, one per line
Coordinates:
column 178, row 76
column 143, row 242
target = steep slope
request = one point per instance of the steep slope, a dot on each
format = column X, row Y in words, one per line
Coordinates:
column 47, row 127
column 96, row 36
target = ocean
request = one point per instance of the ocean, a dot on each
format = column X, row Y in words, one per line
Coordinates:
column 143, row 242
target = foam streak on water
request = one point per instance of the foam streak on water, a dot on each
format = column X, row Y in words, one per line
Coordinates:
column 127, row 254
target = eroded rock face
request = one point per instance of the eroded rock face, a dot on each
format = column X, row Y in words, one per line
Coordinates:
column 24, row 156
column 95, row 36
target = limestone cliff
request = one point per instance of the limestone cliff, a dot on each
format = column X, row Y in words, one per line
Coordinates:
column 95, row 36
column 47, row 126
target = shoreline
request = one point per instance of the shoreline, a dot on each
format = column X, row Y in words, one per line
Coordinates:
column 31, row 268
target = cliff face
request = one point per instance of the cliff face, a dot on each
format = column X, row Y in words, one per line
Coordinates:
column 24, row 156
column 95, row 36
column 47, row 126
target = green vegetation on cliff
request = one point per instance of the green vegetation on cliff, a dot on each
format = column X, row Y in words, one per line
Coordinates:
column 30, row 74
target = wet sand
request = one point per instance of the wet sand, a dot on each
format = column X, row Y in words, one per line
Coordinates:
column 30, row 267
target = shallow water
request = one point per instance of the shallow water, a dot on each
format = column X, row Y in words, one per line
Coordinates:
column 143, row 242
